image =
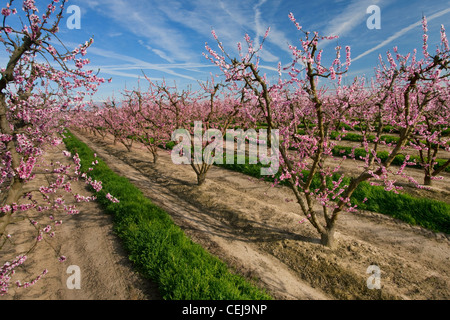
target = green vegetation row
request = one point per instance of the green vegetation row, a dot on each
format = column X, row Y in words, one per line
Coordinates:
column 428, row 213
column 340, row 151
column 356, row 137
column 431, row 214
column 157, row 247
column 386, row 129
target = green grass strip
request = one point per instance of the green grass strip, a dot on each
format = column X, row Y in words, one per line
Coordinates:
column 157, row 247
column 340, row 151
column 356, row 137
column 428, row 213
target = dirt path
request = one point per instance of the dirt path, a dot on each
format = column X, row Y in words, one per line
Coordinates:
column 255, row 228
column 214, row 234
column 87, row 240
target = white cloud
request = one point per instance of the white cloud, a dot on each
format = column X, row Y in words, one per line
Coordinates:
column 165, row 26
column 144, row 20
column 114, row 72
column 400, row 33
column 163, row 55
column 345, row 22
column 230, row 20
column 158, row 52
column 279, row 39
column 115, row 34
column 132, row 63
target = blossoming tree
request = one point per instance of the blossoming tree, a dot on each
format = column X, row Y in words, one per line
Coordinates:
column 37, row 87
column 404, row 91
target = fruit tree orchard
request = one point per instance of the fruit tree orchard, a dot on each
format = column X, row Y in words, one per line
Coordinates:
column 408, row 96
column 406, row 92
column 41, row 94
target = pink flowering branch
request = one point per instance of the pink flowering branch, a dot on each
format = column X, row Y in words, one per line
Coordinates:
column 34, row 98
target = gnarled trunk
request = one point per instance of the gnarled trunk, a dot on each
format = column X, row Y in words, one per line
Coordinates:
column 155, row 156
column 201, row 177
column 427, row 180
column 328, row 238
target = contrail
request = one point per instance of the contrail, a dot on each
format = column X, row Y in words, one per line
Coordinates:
column 400, row 33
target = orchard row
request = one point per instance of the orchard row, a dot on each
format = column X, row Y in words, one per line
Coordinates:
column 312, row 111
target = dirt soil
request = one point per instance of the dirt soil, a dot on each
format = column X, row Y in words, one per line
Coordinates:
column 86, row 239
column 255, row 229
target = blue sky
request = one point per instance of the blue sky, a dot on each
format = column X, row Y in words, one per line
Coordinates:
column 166, row 39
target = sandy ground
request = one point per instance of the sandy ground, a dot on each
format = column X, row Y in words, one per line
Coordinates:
column 255, row 229
column 86, row 240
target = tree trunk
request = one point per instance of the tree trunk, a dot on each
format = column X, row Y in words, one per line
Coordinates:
column 201, row 178
column 155, row 157
column 328, row 238
column 427, row 180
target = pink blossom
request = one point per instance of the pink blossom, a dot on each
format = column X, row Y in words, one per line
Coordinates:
column 6, row 12
column 111, row 198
